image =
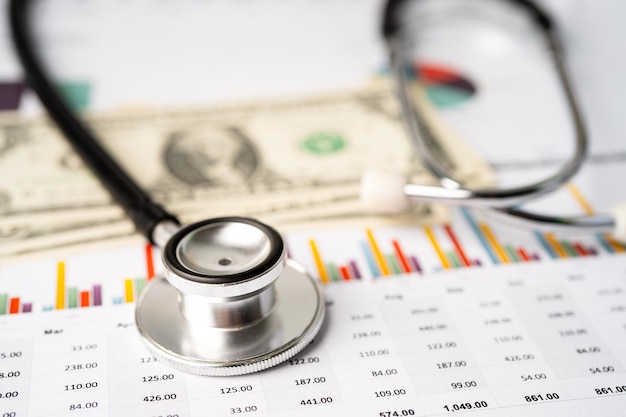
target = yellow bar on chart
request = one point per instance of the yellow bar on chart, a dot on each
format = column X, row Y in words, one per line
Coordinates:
column 584, row 204
column 384, row 269
column 558, row 249
column 129, row 295
column 580, row 199
column 60, row 296
column 318, row 262
column 494, row 243
column 433, row 241
column 617, row 247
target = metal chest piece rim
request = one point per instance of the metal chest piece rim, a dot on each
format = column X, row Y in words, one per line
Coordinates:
column 230, row 302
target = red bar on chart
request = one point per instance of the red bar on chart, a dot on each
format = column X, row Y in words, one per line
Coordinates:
column 149, row 262
column 523, row 255
column 401, row 257
column 345, row 273
column 14, row 305
column 580, row 250
column 457, row 246
column 84, row 298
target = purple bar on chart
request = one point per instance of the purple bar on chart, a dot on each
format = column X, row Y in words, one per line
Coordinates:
column 97, row 295
column 27, row 308
column 10, row 94
column 534, row 256
column 355, row 270
column 476, row 262
column 415, row 264
column 592, row 251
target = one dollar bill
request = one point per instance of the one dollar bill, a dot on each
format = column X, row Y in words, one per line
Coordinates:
column 284, row 161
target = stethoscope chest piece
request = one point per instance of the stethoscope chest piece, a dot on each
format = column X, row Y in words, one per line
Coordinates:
column 230, row 302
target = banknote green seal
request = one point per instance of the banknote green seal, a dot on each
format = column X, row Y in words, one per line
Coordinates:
column 324, row 143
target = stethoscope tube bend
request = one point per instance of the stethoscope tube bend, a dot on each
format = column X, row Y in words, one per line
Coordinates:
column 384, row 192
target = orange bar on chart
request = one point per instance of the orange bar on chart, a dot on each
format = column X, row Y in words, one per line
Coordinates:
column 558, row 249
column 380, row 260
column 435, row 244
column 588, row 210
column 318, row 262
column 580, row 199
column 493, row 242
column 617, row 247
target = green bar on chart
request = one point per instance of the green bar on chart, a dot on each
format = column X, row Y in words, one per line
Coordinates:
column 139, row 284
column 73, row 297
column 331, row 268
column 3, row 303
column 569, row 249
column 453, row 259
column 511, row 253
column 393, row 263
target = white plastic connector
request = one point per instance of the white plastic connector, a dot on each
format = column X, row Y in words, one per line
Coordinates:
column 619, row 214
column 382, row 192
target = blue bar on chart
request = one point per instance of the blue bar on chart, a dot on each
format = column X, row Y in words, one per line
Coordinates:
column 498, row 252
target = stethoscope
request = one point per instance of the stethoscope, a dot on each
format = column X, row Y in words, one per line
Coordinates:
column 385, row 192
column 230, row 302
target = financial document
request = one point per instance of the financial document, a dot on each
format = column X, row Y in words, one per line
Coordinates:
column 468, row 316
column 537, row 338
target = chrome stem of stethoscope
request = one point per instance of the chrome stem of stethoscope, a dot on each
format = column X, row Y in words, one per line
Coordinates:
column 163, row 232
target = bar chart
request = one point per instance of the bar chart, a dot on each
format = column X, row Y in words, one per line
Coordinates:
column 13, row 305
column 519, row 339
column 72, row 296
column 470, row 240
column 331, row 257
column 134, row 286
